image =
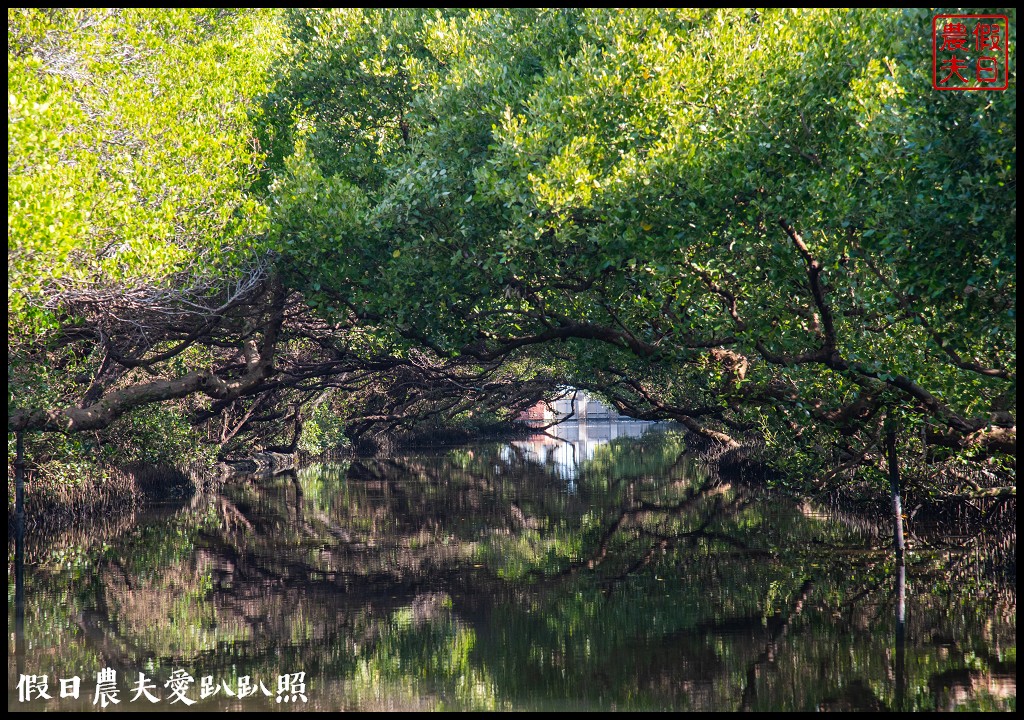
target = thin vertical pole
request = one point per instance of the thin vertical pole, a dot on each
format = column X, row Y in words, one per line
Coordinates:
column 894, row 486
column 19, row 553
column 19, row 477
column 901, row 636
column 901, row 571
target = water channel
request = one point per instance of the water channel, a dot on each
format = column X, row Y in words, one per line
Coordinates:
column 600, row 569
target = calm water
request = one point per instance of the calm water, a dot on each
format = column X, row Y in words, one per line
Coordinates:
column 605, row 571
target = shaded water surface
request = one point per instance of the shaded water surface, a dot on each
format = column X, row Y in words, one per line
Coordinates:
column 605, row 571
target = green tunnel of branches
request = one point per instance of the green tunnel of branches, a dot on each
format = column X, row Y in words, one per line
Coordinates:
column 257, row 229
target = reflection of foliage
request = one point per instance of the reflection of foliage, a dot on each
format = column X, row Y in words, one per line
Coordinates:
column 474, row 579
column 634, row 457
column 440, row 649
column 324, row 485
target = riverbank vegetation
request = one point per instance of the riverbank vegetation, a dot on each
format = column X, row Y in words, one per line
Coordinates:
column 239, row 231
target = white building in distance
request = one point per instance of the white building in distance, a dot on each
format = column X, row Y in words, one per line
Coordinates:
column 574, row 405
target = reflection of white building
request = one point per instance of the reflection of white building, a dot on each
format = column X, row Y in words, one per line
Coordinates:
column 567, row 446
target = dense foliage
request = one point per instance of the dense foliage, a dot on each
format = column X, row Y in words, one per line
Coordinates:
column 762, row 224
column 806, row 240
column 129, row 150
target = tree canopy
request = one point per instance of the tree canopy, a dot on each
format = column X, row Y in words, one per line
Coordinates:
column 760, row 223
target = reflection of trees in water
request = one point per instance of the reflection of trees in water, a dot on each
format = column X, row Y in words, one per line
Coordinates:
column 474, row 579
